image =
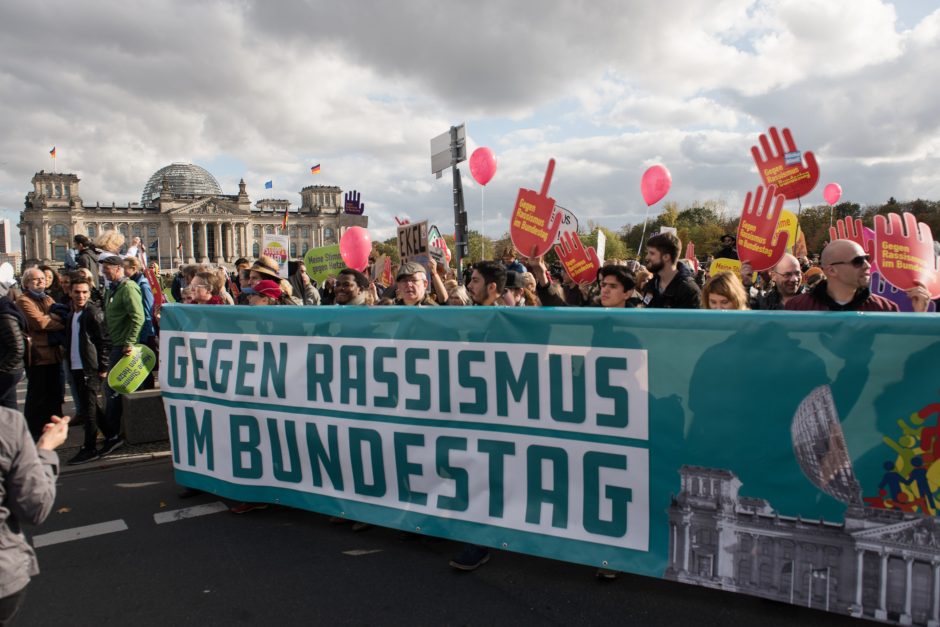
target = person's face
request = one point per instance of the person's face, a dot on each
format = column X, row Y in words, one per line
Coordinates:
column 412, row 288
column 507, row 258
column 112, row 272
column 65, row 282
column 717, row 301
column 345, row 290
column 454, row 300
column 747, row 274
column 258, row 299
column 242, row 266
column 254, row 277
column 129, row 270
column 80, row 295
column 200, row 290
column 512, row 296
column 612, row 292
column 476, row 288
column 153, row 267
column 852, row 268
column 787, row 277
column 726, row 242
column 48, row 274
column 654, row 260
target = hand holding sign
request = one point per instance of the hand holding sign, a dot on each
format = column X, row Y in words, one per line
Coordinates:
column 905, row 253
column 534, row 224
column 792, row 179
column 581, row 265
column 756, row 243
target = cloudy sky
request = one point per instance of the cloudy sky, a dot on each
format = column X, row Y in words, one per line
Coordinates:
column 262, row 91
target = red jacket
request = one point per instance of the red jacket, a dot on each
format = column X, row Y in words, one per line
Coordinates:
column 818, row 299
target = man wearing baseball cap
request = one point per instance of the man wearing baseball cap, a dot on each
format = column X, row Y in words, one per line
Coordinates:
column 411, row 283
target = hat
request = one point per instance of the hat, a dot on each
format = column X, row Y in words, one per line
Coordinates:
column 267, row 266
column 812, row 272
column 513, row 280
column 111, row 260
column 409, row 268
column 264, row 288
column 727, row 236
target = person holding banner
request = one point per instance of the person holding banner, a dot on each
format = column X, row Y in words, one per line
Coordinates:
column 672, row 286
column 847, row 284
column 618, row 288
column 412, row 285
column 788, row 279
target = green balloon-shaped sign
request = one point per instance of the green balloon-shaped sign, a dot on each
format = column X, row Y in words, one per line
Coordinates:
column 131, row 370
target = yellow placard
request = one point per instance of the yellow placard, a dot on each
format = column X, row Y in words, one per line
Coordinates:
column 727, row 265
column 788, row 224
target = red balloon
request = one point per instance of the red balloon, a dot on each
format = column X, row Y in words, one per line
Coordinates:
column 482, row 165
column 655, row 184
column 354, row 247
column 832, row 193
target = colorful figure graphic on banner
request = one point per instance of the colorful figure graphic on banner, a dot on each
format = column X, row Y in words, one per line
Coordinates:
column 758, row 240
column 911, row 480
column 534, row 224
column 782, row 165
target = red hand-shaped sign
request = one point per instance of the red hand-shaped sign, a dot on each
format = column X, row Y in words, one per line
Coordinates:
column 905, row 253
column 533, row 227
column 850, row 229
column 756, row 230
column 581, row 265
column 782, row 165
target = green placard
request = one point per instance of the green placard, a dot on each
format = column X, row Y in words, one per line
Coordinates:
column 131, row 370
column 323, row 263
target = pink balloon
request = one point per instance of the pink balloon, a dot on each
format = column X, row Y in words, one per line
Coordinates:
column 655, row 184
column 354, row 247
column 832, row 193
column 482, row 165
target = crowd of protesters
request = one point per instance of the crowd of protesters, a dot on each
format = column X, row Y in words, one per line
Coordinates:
column 70, row 327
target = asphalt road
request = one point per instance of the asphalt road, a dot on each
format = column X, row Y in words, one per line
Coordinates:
column 151, row 566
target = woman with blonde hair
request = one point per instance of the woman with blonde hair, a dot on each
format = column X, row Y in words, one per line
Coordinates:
column 110, row 241
column 724, row 291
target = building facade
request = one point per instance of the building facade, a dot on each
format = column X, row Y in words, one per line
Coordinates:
column 6, row 245
column 182, row 217
column 877, row 563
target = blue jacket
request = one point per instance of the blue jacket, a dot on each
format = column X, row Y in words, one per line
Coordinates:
column 146, row 296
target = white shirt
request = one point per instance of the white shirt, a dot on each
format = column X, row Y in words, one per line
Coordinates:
column 76, row 354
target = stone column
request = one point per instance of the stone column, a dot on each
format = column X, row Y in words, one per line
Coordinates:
column 935, row 605
column 320, row 235
column 675, row 543
column 204, row 234
column 857, row 609
column 882, row 612
column 175, row 243
column 219, row 252
column 685, row 546
column 45, row 253
column 191, row 258
column 905, row 618
column 230, row 242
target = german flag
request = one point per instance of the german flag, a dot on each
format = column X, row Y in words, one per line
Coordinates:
column 284, row 220
column 315, row 169
column 52, row 154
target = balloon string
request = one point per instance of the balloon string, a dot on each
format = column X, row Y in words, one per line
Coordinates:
column 642, row 233
column 482, row 225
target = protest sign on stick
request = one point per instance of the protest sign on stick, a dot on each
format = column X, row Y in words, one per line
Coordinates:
column 758, row 240
column 905, row 253
column 534, row 224
column 782, row 165
column 580, row 264
column 276, row 247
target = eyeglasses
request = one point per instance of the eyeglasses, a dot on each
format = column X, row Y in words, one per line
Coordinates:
column 856, row 262
column 789, row 275
column 198, row 286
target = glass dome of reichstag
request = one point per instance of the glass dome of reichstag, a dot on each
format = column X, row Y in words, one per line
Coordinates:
column 183, row 178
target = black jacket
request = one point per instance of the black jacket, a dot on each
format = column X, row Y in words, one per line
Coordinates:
column 94, row 343
column 681, row 293
column 87, row 259
column 12, row 337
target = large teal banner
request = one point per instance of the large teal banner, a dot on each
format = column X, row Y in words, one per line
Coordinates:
column 786, row 455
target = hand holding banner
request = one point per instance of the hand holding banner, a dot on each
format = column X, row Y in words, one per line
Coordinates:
column 792, row 179
column 534, row 225
column 581, row 265
column 756, row 231
column 905, row 254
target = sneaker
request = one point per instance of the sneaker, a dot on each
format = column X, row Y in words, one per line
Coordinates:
column 110, row 445
column 84, row 456
column 470, row 558
column 244, row 508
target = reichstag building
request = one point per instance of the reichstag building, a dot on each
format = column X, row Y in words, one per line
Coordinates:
column 182, row 206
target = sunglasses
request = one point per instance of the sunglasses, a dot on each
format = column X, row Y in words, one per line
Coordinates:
column 857, row 262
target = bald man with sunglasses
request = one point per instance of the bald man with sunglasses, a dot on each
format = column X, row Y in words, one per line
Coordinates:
column 847, row 284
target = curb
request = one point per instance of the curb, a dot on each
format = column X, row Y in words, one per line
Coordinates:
column 114, row 462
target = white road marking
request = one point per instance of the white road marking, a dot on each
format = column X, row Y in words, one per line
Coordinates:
column 79, row 533
column 189, row 512
column 358, row 552
column 142, row 484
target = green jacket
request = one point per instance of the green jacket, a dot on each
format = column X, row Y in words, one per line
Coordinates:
column 124, row 313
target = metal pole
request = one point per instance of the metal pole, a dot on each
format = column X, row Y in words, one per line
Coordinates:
column 459, row 215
